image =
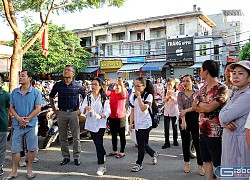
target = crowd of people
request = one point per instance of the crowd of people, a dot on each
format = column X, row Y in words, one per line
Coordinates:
column 214, row 113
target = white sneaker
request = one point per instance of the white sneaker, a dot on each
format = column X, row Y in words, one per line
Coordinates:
column 136, row 168
column 154, row 160
column 101, row 171
column 22, row 162
column 35, row 160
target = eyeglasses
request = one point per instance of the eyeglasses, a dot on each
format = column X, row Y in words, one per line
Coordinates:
column 70, row 70
column 139, row 86
column 95, row 84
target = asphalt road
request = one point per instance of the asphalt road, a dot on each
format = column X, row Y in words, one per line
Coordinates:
column 169, row 166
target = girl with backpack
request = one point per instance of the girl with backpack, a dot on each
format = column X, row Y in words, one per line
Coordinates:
column 96, row 107
column 140, row 102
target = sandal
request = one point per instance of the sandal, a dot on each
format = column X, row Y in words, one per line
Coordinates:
column 112, row 154
column 187, row 167
column 201, row 170
column 31, row 176
column 9, row 177
column 118, row 156
column 136, row 168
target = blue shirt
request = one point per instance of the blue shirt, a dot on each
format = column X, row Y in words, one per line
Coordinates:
column 24, row 104
column 68, row 95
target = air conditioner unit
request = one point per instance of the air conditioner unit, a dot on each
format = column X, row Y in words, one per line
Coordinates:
column 196, row 34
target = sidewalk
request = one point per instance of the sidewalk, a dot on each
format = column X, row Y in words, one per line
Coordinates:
column 169, row 166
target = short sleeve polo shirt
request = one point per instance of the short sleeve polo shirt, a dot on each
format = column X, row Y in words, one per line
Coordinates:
column 25, row 103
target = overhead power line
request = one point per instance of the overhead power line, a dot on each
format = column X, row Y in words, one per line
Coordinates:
column 174, row 53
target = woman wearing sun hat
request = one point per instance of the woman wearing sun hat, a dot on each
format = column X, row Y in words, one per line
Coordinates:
column 233, row 116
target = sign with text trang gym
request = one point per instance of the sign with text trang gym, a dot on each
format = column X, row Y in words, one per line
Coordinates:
column 180, row 49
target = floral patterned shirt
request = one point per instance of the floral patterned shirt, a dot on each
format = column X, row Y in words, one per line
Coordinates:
column 209, row 122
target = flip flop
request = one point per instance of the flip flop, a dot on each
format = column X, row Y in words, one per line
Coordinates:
column 120, row 156
column 112, row 154
column 9, row 177
column 31, row 176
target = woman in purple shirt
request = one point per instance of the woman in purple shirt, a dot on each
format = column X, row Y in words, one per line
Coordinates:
column 189, row 122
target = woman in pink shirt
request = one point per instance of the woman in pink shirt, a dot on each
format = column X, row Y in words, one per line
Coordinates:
column 117, row 118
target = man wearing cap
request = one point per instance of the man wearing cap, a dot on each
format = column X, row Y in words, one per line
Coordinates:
column 68, row 113
column 209, row 101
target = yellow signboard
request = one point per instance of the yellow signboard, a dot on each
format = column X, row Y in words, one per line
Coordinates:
column 111, row 64
column 184, row 63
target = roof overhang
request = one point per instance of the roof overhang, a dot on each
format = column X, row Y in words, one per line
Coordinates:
column 207, row 20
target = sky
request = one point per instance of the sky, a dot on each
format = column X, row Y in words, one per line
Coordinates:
column 139, row 9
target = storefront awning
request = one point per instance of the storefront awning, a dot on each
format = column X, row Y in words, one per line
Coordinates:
column 153, row 66
column 90, row 69
column 131, row 67
column 196, row 65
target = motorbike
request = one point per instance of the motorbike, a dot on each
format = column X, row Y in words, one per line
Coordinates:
column 159, row 103
column 42, row 117
column 53, row 132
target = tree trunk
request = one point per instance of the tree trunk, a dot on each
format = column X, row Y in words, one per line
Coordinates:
column 16, row 64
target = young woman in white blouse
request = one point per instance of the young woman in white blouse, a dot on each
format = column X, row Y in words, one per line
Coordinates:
column 171, row 113
column 140, row 118
column 96, row 107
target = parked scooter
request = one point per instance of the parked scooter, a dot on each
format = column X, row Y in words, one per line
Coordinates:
column 42, row 117
column 159, row 103
column 53, row 133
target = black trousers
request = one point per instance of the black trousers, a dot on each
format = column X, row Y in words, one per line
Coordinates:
column 142, row 137
column 115, row 128
column 98, row 141
column 192, row 121
column 167, row 120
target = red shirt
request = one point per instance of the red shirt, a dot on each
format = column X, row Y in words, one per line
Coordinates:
column 117, row 104
column 209, row 122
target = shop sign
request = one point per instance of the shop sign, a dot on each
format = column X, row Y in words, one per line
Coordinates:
column 184, row 63
column 180, row 49
column 112, row 64
column 136, row 59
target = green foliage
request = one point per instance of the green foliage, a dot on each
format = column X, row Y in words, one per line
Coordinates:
column 75, row 5
column 64, row 48
column 245, row 52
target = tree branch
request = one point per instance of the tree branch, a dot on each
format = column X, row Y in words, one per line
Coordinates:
column 62, row 5
column 50, row 12
column 41, row 9
column 10, row 16
column 43, row 25
column 31, row 41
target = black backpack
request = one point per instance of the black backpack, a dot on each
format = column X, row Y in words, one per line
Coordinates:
column 153, row 111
